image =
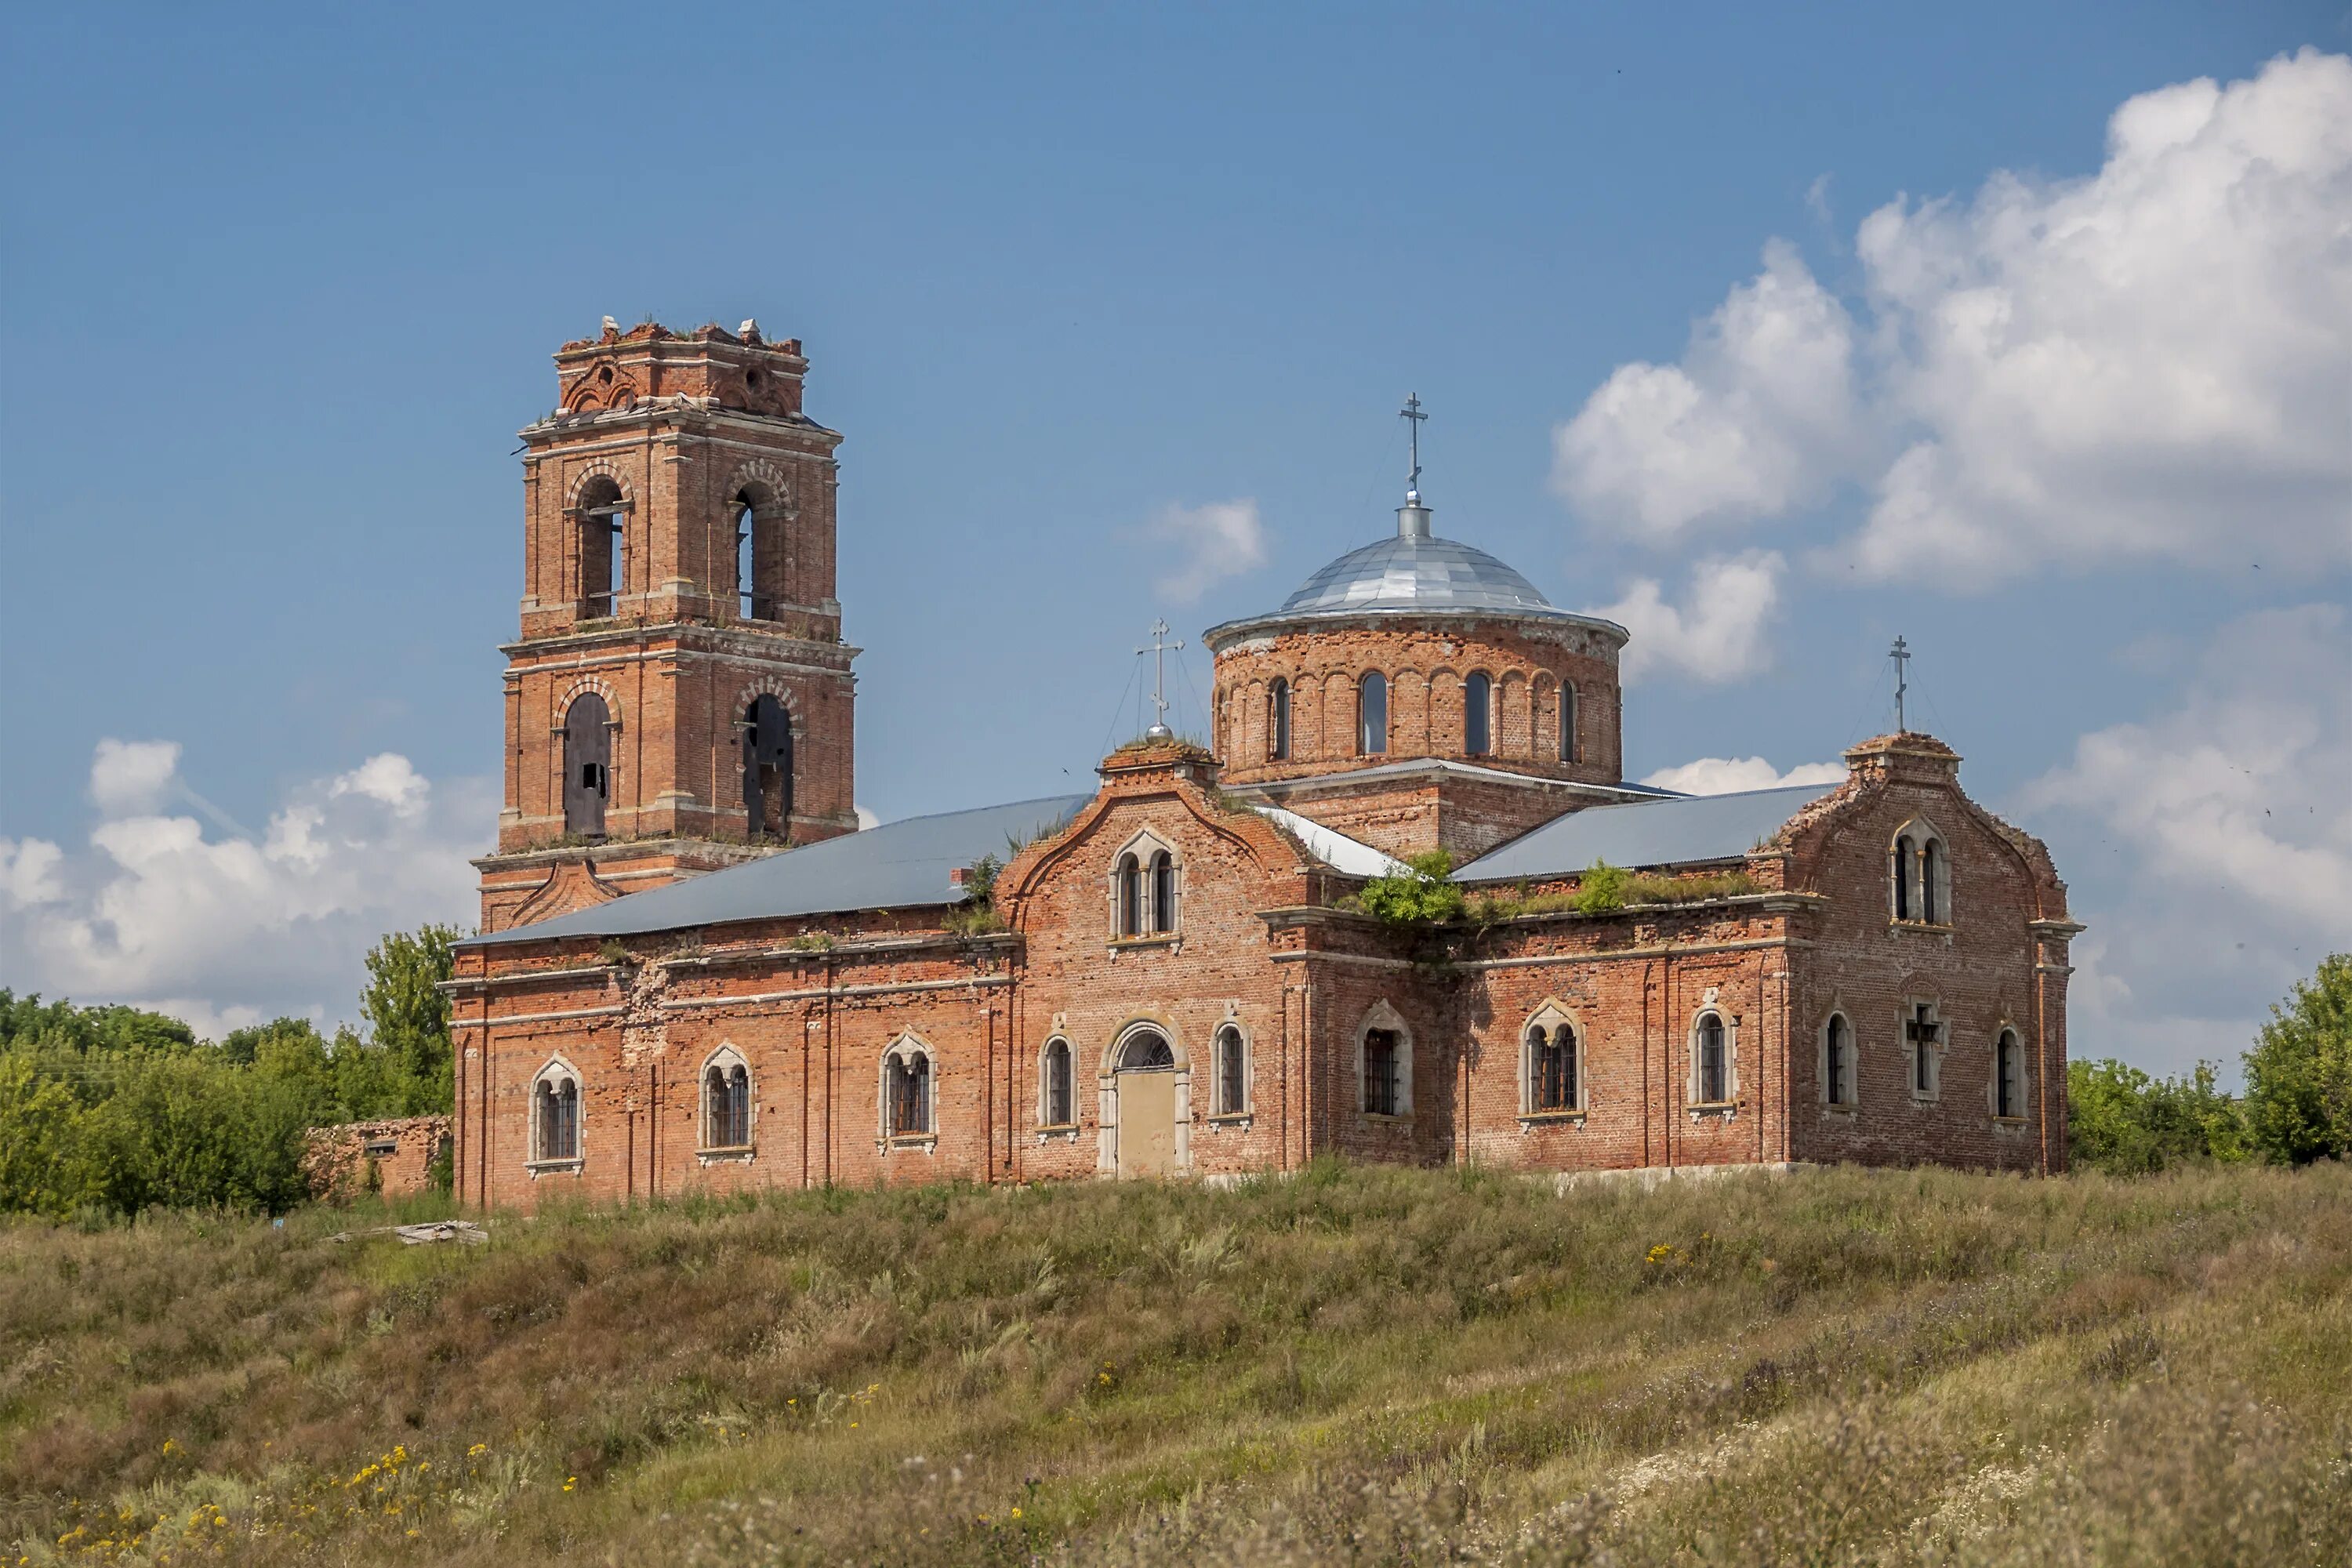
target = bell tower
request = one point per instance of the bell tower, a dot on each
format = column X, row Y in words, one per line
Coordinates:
column 679, row 697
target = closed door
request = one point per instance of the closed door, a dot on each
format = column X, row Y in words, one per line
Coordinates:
column 1147, row 1123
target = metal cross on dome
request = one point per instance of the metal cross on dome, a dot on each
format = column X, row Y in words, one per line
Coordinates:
column 1159, row 650
column 1412, row 417
column 1900, row 654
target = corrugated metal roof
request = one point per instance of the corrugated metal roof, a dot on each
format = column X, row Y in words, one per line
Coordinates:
column 898, row 865
column 1337, row 850
column 1675, row 832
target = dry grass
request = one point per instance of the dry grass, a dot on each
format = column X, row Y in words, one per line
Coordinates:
column 1356, row 1366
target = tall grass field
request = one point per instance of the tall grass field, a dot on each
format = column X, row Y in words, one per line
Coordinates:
column 1354, row 1365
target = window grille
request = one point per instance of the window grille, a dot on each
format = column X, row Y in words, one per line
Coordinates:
column 1380, row 1064
column 1714, row 1075
column 1552, row 1069
column 909, row 1094
column 1058, row 1108
column 1164, row 892
column 1232, row 1087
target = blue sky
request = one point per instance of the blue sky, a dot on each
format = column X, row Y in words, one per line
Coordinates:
column 280, row 288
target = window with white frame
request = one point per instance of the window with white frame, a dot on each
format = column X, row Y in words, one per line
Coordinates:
column 1923, row 1044
column 1712, row 1081
column 1553, row 1068
column 726, row 1101
column 1384, row 1064
column 555, row 1114
column 1127, row 894
column 1920, row 875
column 1057, row 1102
column 1231, row 1092
column 1839, row 1085
column 909, row 1091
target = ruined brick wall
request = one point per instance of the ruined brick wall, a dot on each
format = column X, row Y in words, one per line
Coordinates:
column 389, row 1158
column 1995, row 958
column 676, row 431
column 1081, row 981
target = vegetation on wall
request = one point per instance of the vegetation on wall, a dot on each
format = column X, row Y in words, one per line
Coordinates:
column 1424, row 894
column 116, row 1110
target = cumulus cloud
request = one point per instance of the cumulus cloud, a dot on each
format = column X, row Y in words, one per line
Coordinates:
column 223, row 929
column 1753, row 420
column 2144, row 363
column 1716, row 634
column 128, row 776
column 1211, row 543
column 2211, row 845
column 1728, row 775
column 867, row 818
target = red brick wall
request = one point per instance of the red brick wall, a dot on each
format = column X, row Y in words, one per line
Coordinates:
column 1258, row 944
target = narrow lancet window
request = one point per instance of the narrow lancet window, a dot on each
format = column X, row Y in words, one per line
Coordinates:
column 1163, row 893
column 1372, row 714
column 1128, row 892
column 1478, row 714
column 1839, row 1064
column 587, row 765
column 768, row 768
column 1903, row 853
column 1057, row 1106
column 1567, row 722
column 1277, row 720
column 1714, row 1077
column 1382, row 1047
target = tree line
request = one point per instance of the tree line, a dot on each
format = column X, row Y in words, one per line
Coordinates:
column 116, row 1110
column 2296, row 1107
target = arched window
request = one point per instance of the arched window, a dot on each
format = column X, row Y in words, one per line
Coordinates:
column 1056, row 1106
column 1478, row 714
column 602, row 518
column 1232, row 1098
column 1552, row 1074
column 1714, row 1064
column 1923, row 1036
column 907, row 1090
column 1145, row 1050
column 1921, row 876
column 1567, row 722
column 1372, row 714
column 1164, row 892
column 1277, row 720
column 768, row 768
column 2008, row 1076
column 758, row 559
column 726, row 1103
column 587, row 765
column 555, row 1115
column 1128, row 890
column 1837, row 1061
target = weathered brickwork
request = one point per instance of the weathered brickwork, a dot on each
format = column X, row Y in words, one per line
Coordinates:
column 390, row 1158
column 664, row 451
column 1222, row 1003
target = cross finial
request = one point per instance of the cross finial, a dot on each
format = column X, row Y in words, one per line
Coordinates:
column 1900, row 654
column 1412, row 417
column 1159, row 650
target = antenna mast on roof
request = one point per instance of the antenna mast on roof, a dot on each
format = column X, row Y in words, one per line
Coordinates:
column 1901, row 655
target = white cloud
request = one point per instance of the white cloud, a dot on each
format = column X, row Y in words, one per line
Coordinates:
column 225, row 928
column 1221, row 540
column 128, row 776
column 867, row 818
column 1719, row 632
column 2145, row 363
column 1752, row 422
column 2210, row 847
column 1728, row 776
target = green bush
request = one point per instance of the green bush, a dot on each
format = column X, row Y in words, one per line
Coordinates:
column 1421, row 893
column 2124, row 1121
column 2299, row 1074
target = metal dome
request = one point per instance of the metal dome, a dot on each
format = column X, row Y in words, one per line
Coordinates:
column 1417, row 573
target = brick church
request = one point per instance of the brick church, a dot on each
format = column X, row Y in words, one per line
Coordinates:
column 695, row 973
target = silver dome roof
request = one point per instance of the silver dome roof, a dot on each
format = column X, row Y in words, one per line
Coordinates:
column 1417, row 573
